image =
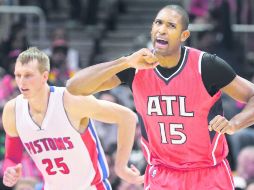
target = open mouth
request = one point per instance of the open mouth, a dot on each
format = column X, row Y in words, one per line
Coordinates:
column 161, row 41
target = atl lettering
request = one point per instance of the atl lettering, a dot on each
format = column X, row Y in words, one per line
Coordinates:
column 176, row 133
column 154, row 106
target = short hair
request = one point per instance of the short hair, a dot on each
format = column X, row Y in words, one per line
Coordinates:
column 33, row 53
column 182, row 12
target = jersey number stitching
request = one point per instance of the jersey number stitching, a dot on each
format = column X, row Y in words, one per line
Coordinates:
column 59, row 164
column 175, row 130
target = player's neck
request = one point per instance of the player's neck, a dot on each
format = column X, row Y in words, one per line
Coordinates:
column 170, row 61
column 39, row 103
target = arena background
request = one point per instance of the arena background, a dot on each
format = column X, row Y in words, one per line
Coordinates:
column 79, row 33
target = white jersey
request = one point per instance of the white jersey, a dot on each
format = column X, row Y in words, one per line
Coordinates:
column 67, row 159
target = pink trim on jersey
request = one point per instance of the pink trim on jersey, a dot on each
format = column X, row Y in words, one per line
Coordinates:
column 90, row 139
column 90, row 143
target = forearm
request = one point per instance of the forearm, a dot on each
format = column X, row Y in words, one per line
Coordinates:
column 245, row 118
column 88, row 80
column 13, row 151
column 125, row 140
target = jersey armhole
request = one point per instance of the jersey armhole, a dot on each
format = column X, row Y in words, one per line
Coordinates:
column 200, row 62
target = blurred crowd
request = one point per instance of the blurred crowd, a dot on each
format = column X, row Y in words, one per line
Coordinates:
column 66, row 60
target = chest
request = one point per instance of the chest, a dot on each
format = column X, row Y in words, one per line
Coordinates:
column 37, row 118
column 178, row 95
column 151, row 83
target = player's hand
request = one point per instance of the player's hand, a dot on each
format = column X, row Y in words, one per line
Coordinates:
column 142, row 59
column 12, row 175
column 130, row 174
column 221, row 125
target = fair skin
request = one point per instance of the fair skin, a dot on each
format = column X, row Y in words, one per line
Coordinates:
column 167, row 26
column 33, row 85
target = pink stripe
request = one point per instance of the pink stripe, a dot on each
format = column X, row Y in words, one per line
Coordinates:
column 91, row 146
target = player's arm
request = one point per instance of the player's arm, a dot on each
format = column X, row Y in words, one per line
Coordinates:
column 108, row 112
column 242, row 90
column 230, row 83
column 13, row 146
column 103, row 75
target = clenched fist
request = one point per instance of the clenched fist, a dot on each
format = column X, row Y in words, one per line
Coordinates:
column 12, row 175
column 143, row 59
column 221, row 125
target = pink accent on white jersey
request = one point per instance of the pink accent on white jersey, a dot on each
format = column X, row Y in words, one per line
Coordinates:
column 66, row 158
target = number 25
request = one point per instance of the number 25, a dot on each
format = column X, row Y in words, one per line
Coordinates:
column 60, row 165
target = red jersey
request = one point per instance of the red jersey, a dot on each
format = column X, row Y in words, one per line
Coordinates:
column 174, row 115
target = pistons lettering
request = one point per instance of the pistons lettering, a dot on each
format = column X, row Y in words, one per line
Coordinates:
column 49, row 144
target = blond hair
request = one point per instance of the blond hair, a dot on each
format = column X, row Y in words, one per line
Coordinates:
column 33, row 53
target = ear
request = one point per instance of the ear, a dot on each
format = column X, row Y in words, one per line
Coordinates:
column 185, row 35
column 45, row 75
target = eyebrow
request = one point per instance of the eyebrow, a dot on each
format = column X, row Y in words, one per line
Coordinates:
column 168, row 22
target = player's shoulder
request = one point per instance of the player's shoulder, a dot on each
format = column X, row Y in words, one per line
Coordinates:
column 8, row 118
column 9, row 106
column 192, row 49
column 77, row 107
column 77, row 101
column 73, row 97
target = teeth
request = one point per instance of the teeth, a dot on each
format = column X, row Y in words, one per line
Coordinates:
column 161, row 39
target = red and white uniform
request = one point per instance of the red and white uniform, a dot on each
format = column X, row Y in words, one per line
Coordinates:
column 66, row 158
column 174, row 114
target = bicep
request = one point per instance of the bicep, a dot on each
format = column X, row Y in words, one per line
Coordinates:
column 108, row 112
column 109, row 84
column 79, row 107
column 101, row 110
column 239, row 89
column 8, row 119
column 13, row 144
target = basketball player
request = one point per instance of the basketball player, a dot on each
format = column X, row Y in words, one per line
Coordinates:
column 56, row 130
column 179, row 105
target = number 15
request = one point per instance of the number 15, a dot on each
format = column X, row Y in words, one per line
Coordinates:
column 174, row 130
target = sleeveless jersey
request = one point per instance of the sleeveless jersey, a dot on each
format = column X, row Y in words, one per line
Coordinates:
column 174, row 115
column 66, row 158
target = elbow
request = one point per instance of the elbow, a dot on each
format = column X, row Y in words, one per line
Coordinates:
column 76, row 89
column 131, row 118
column 134, row 117
column 71, row 87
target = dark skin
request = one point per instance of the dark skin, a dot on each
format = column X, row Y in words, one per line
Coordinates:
column 168, row 27
column 167, row 36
